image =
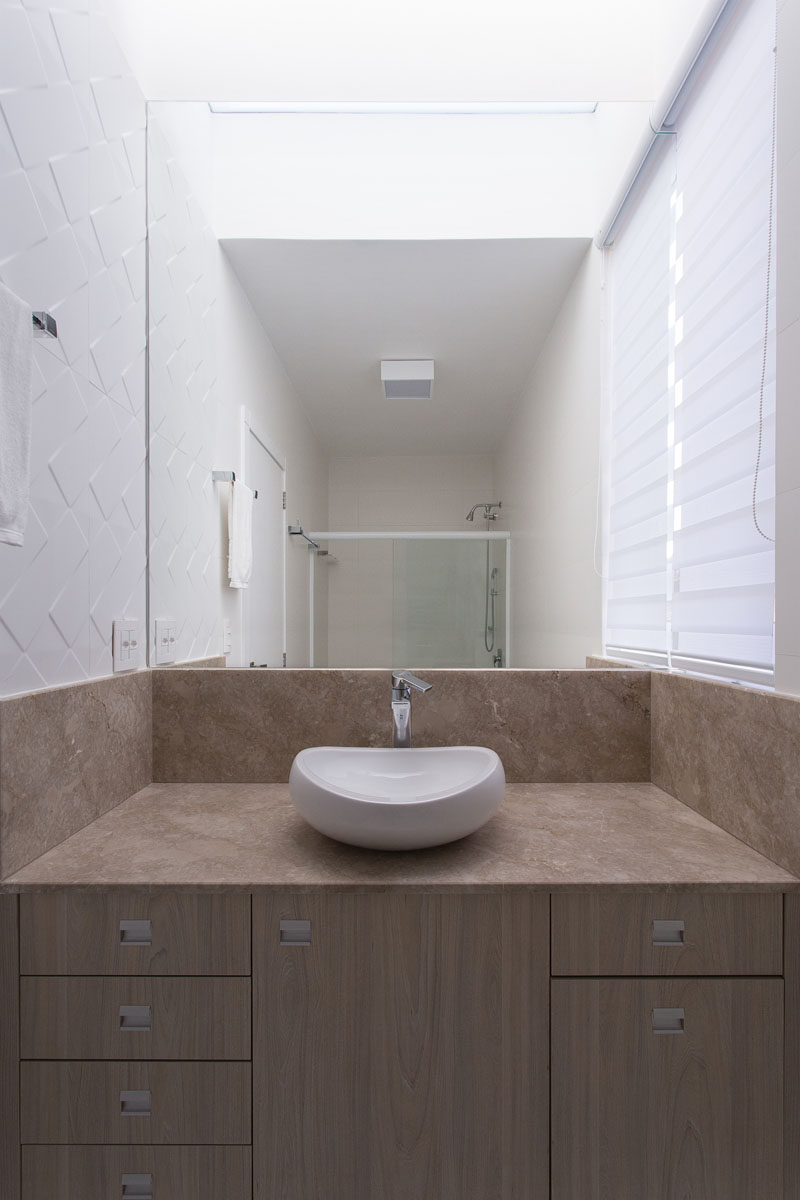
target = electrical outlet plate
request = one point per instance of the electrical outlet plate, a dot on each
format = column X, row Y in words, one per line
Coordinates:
column 227, row 636
column 126, row 644
column 166, row 640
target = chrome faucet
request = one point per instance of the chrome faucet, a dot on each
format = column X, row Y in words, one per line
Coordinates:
column 402, row 683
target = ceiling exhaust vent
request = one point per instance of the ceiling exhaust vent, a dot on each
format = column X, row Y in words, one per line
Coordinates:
column 407, row 379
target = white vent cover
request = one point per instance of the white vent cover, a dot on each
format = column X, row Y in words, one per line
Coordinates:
column 407, row 379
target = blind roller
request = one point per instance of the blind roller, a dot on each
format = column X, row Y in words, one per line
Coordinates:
column 638, row 281
column 723, row 570
column 711, row 606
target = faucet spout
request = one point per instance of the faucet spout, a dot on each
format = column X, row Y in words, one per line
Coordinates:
column 402, row 684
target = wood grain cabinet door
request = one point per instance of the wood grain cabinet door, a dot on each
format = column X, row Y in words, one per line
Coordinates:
column 667, row 1089
column 400, row 1047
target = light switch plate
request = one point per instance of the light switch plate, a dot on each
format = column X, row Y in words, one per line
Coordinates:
column 227, row 636
column 166, row 640
column 126, row 642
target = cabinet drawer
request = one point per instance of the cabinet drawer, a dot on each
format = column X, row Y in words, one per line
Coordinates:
column 132, row 933
column 135, row 1103
column 134, row 1018
column 666, row 933
column 134, row 1173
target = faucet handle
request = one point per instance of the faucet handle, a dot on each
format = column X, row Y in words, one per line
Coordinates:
column 401, row 678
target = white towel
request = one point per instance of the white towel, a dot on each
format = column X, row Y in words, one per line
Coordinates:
column 240, row 535
column 16, row 360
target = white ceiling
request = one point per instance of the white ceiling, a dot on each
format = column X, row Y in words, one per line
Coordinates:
column 480, row 309
column 378, row 50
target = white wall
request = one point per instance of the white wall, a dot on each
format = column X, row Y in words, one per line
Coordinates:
column 546, row 470
column 787, row 549
column 72, row 241
column 411, row 492
column 210, row 357
column 251, row 374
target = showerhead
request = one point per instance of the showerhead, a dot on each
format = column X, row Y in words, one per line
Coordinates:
column 488, row 515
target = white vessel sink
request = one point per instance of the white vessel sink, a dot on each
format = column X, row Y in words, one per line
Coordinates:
column 397, row 799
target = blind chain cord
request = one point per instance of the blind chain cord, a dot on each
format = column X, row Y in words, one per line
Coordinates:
column 764, row 353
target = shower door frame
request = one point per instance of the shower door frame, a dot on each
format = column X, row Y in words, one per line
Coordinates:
column 354, row 535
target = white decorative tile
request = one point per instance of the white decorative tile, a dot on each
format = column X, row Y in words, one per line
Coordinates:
column 105, row 184
column 119, row 103
column 71, row 173
column 44, row 122
column 81, row 558
column 119, row 225
column 21, row 64
column 22, row 223
column 72, row 34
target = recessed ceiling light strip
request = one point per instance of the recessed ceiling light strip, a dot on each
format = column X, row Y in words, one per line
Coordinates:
column 425, row 108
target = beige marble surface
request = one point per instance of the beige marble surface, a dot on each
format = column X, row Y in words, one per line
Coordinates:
column 67, row 755
column 548, row 836
column 547, row 726
column 732, row 754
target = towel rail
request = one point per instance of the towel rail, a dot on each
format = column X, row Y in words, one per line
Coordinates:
column 228, row 477
column 44, row 325
column 297, row 531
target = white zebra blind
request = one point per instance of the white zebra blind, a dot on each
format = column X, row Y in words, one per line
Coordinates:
column 718, row 570
column 639, row 282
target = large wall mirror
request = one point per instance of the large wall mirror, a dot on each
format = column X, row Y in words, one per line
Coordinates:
column 290, row 254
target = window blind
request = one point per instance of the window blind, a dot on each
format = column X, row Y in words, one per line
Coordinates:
column 722, row 569
column 709, row 608
column 638, row 519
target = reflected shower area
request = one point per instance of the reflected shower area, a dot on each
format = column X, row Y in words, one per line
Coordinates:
column 432, row 599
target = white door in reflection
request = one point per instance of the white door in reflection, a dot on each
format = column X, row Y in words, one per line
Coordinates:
column 264, row 599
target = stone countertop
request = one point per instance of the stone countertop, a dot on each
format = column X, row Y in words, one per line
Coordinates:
column 546, row 836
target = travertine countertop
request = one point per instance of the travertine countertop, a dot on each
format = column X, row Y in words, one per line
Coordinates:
column 548, row 836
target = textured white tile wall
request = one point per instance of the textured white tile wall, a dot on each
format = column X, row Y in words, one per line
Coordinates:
column 185, row 562
column 72, row 241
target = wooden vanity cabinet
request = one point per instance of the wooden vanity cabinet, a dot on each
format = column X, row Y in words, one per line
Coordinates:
column 400, row 1046
column 667, row 1087
column 404, row 1045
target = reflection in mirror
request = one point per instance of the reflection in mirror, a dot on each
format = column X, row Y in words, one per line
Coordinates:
column 288, row 257
column 432, row 599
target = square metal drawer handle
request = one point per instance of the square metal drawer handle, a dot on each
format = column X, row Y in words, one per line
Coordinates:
column 137, row 1187
column 136, row 933
column 295, row 933
column 135, row 1018
column 135, row 1104
column 668, row 933
column 669, row 1020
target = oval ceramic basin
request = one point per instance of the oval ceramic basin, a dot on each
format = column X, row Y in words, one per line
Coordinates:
column 397, row 799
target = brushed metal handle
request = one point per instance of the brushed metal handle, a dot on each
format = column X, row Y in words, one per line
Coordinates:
column 137, row 1187
column 295, row 933
column 136, row 933
column 135, row 1018
column 669, row 1020
column 135, row 1104
column 668, row 933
